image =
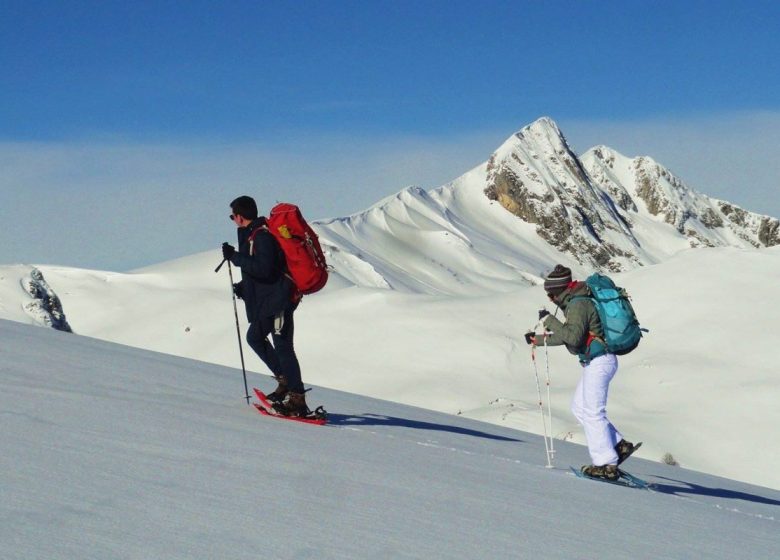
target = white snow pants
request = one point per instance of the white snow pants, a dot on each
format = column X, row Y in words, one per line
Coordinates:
column 589, row 406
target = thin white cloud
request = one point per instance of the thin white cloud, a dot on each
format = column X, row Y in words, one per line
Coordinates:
column 123, row 205
column 120, row 205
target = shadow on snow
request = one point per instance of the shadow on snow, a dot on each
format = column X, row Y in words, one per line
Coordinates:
column 380, row 420
column 682, row 487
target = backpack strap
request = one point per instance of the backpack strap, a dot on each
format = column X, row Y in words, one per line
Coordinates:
column 295, row 295
column 252, row 236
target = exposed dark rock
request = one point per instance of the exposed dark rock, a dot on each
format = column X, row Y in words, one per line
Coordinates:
column 45, row 305
column 711, row 219
column 769, row 232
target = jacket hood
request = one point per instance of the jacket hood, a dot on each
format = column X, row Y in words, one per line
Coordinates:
column 575, row 289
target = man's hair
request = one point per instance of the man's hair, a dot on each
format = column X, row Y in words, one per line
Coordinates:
column 245, row 207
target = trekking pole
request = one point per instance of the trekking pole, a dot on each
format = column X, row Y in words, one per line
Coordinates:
column 549, row 400
column 238, row 328
column 541, row 406
column 547, row 375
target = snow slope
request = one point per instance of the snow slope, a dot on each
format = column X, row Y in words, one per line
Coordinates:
column 414, row 242
column 432, row 291
column 115, row 452
column 702, row 386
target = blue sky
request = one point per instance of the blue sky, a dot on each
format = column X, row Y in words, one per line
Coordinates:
column 338, row 104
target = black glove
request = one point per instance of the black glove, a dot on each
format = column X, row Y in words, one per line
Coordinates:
column 530, row 337
column 228, row 251
column 238, row 290
column 543, row 313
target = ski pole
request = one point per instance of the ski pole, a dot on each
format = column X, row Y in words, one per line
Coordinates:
column 541, row 406
column 541, row 326
column 238, row 328
column 549, row 399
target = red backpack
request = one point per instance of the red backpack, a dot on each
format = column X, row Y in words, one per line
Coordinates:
column 305, row 260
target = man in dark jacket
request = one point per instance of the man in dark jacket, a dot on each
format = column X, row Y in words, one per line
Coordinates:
column 583, row 335
column 267, row 292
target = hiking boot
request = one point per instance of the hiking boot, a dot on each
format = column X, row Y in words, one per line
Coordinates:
column 625, row 449
column 281, row 390
column 607, row 472
column 294, row 404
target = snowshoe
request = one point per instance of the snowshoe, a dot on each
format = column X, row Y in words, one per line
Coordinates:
column 318, row 416
column 607, row 472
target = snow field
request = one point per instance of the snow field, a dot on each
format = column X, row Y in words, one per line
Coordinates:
column 701, row 386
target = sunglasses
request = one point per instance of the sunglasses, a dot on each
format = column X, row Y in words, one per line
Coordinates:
column 232, row 217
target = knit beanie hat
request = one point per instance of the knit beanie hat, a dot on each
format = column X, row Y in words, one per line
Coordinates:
column 557, row 280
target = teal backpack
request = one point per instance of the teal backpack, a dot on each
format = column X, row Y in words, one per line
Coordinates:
column 622, row 332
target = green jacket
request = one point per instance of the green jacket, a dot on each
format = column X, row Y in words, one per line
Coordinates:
column 582, row 333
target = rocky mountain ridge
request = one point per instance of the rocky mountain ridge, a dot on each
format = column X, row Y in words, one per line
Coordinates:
column 669, row 198
column 589, row 207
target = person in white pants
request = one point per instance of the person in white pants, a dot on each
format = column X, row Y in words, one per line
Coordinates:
column 583, row 335
column 589, row 406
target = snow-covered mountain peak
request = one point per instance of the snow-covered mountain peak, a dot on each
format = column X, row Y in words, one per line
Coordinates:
column 540, row 152
column 543, row 127
column 537, row 177
column 532, row 204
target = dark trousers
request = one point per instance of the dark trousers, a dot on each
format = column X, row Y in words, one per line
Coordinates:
column 280, row 356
